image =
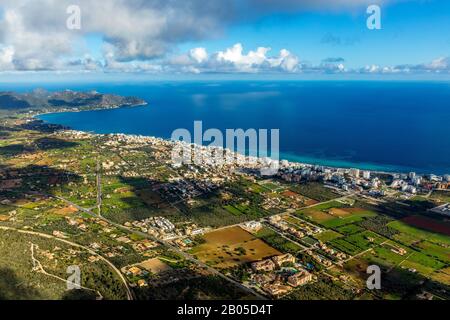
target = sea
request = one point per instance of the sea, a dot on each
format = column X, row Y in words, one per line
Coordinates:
column 389, row 126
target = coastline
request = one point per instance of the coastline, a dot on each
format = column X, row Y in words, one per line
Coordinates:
column 145, row 103
column 293, row 159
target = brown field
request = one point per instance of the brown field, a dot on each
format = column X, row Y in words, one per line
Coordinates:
column 290, row 194
column 339, row 212
column 220, row 248
column 317, row 215
column 44, row 162
column 310, row 202
column 66, row 211
column 4, row 217
column 428, row 224
column 154, row 265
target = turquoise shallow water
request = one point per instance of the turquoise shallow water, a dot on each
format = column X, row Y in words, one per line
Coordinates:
column 385, row 126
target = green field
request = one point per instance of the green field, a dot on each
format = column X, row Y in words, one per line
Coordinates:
column 327, row 235
column 338, row 222
column 233, row 210
column 272, row 186
column 438, row 251
column 357, row 243
column 419, row 234
column 345, row 246
column 275, row 240
column 324, row 215
column 349, row 229
column 383, row 255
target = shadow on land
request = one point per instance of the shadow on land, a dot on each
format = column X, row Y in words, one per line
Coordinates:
column 44, row 144
column 14, row 288
column 17, row 182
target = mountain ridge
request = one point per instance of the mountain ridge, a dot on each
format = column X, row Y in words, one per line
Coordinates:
column 40, row 100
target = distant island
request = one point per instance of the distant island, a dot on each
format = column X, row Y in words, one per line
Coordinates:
column 43, row 101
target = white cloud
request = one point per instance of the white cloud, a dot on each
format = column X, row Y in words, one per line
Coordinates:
column 33, row 50
column 438, row 65
column 199, row 54
column 255, row 60
column 233, row 59
column 441, row 63
column 286, row 61
column 242, row 62
column 133, row 30
column 6, row 58
column 141, row 35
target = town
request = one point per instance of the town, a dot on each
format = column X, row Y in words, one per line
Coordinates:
column 307, row 231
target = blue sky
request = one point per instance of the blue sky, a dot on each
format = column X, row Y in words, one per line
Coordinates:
column 226, row 37
column 412, row 33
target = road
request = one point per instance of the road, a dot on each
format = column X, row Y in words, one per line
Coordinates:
column 73, row 244
column 99, row 187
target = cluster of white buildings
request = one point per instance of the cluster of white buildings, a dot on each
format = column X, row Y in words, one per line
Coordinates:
column 156, row 226
column 345, row 179
column 162, row 228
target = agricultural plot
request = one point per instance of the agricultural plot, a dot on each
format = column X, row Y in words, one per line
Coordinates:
column 344, row 246
column 275, row 240
column 349, row 229
column 308, row 241
column 314, row 215
column 437, row 251
column 271, row 186
column 357, row 243
column 419, row 234
column 337, row 222
column 365, row 240
column 233, row 210
column 433, row 225
column 230, row 247
column 384, row 256
column 425, row 261
column 327, row 236
column 442, row 276
column 335, row 214
column 154, row 265
column 392, row 255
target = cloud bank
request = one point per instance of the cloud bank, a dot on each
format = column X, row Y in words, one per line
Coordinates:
column 143, row 36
